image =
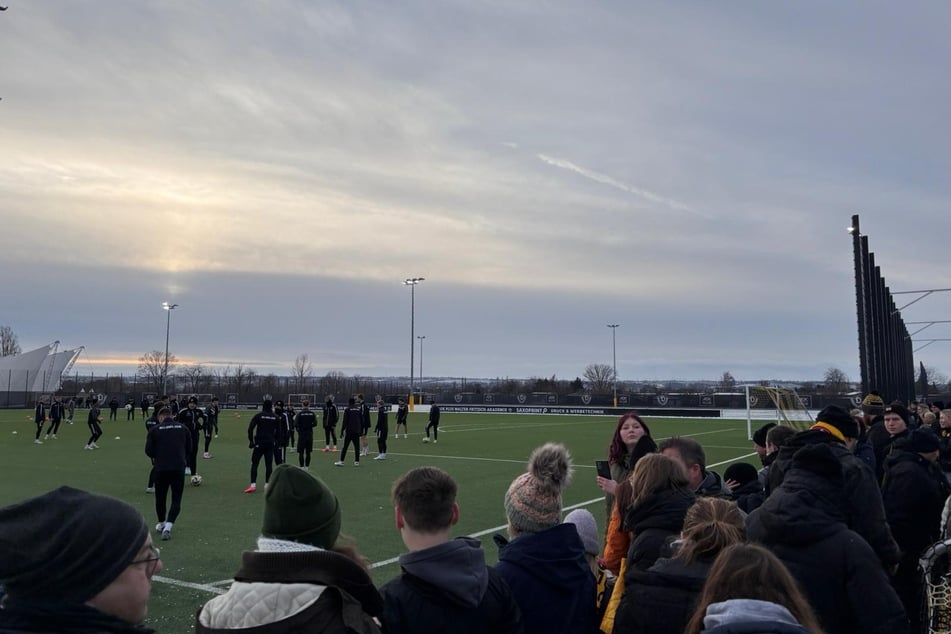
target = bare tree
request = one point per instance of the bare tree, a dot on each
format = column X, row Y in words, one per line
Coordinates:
column 332, row 382
column 243, row 378
column 727, row 382
column 8, row 342
column 836, row 381
column 600, row 377
column 937, row 379
column 303, row 369
column 195, row 377
column 152, row 367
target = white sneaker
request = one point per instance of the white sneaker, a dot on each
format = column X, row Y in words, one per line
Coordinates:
column 159, row 527
column 37, row 442
column 426, row 439
column 188, row 471
column 356, row 464
column 166, row 534
column 53, row 436
column 340, row 463
column 94, row 445
column 435, row 441
column 87, row 447
column 382, row 456
column 150, row 490
column 46, row 437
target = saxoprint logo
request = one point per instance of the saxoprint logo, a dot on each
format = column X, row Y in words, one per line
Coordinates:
column 857, row 400
column 458, row 398
column 662, row 399
column 522, row 398
column 586, row 399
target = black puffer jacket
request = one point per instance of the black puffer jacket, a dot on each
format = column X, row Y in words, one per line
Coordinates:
column 861, row 496
column 654, row 521
column 670, row 588
column 801, row 522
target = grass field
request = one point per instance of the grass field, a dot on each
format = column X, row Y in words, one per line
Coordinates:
column 484, row 453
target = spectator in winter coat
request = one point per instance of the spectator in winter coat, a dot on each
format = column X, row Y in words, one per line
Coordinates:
column 630, row 442
column 308, row 580
column 672, row 586
column 861, row 496
column 444, row 583
column 744, row 483
column 914, row 492
column 895, row 422
column 544, row 563
column 803, row 523
column 749, row 590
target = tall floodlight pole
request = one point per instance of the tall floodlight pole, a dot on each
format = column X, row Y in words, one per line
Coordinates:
column 168, row 324
column 421, row 337
column 412, row 282
column 614, row 328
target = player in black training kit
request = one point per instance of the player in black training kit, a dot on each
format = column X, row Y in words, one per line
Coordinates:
column 351, row 429
column 402, row 413
column 282, row 434
column 192, row 418
column 39, row 417
column 382, row 429
column 169, row 446
column 57, row 413
column 305, row 421
column 211, row 424
column 262, row 435
column 433, row 422
column 365, row 429
column 150, row 423
column 95, row 431
column 330, row 424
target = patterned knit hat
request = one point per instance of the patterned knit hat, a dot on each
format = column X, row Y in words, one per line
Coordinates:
column 299, row 507
column 533, row 501
column 873, row 404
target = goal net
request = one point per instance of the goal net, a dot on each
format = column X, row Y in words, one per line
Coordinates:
column 781, row 405
column 297, row 400
column 204, row 400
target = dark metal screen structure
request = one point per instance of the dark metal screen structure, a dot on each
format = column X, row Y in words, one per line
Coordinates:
column 886, row 359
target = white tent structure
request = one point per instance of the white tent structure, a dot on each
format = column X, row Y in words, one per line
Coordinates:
column 35, row 372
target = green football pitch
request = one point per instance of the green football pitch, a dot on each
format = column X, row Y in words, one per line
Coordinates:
column 483, row 452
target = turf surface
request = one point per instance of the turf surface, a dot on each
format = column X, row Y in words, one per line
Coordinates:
column 484, row 453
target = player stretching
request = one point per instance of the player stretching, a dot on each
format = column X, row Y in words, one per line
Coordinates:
column 93, row 420
column 211, row 424
column 262, row 434
column 433, row 422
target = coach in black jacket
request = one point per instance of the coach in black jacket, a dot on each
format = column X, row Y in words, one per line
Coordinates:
column 168, row 445
column 803, row 524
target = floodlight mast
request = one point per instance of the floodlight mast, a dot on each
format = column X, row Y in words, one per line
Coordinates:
column 614, row 328
column 412, row 282
column 421, row 337
column 168, row 324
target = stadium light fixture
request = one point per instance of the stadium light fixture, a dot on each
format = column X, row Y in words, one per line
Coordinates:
column 168, row 324
column 412, row 282
column 614, row 328
column 420, row 337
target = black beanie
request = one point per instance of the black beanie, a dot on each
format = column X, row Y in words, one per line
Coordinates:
column 899, row 410
column 922, row 440
column 742, row 472
column 759, row 436
column 818, row 458
column 67, row 544
column 840, row 419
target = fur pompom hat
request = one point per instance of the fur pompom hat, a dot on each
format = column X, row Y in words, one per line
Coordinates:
column 533, row 501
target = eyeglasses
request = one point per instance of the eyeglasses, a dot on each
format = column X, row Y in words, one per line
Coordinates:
column 151, row 561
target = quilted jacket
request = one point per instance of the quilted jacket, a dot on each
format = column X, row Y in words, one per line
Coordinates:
column 293, row 593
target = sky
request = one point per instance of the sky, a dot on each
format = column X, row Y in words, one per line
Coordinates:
column 277, row 168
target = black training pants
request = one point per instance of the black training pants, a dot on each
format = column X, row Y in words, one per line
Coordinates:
column 266, row 451
column 165, row 480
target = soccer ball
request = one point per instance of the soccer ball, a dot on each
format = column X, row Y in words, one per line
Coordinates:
column 128, row 407
column 196, row 480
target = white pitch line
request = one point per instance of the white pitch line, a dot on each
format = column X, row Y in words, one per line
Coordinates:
column 188, row 584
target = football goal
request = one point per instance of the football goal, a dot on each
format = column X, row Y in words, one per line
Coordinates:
column 297, row 400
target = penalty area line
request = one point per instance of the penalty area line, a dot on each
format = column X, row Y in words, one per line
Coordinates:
column 188, row 584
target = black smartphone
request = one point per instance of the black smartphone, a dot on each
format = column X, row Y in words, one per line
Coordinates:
column 603, row 469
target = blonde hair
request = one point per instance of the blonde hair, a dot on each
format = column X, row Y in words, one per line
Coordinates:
column 654, row 473
column 710, row 525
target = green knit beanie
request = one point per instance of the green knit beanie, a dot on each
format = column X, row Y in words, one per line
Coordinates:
column 299, row 507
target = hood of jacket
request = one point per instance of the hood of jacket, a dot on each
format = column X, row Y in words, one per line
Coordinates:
column 455, row 570
column 555, row 557
column 745, row 611
column 712, row 486
column 807, row 507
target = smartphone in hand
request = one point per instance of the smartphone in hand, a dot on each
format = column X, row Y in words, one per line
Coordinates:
column 603, row 469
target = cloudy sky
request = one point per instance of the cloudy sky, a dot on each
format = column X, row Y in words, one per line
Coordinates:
column 277, row 168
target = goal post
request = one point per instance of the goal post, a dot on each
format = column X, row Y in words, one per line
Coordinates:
column 781, row 405
column 297, row 400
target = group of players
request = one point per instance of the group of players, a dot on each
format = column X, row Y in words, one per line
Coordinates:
column 272, row 431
